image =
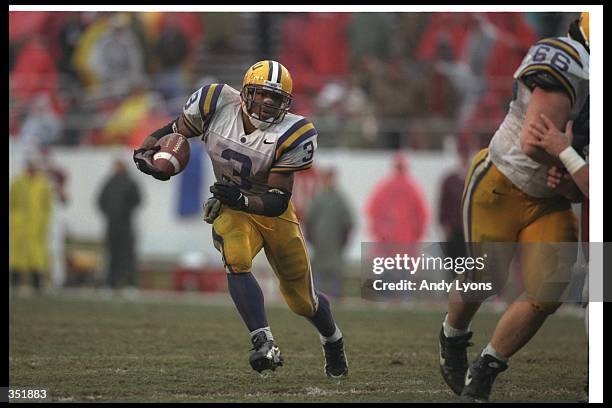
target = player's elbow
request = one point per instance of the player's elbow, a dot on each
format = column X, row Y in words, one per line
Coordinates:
column 275, row 202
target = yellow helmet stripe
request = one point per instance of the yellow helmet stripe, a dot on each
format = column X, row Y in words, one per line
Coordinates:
column 284, row 145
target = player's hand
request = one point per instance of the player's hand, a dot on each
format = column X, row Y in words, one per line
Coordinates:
column 553, row 177
column 143, row 158
column 212, row 208
column 229, row 195
column 563, row 184
column 546, row 135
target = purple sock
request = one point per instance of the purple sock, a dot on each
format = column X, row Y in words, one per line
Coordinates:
column 323, row 319
column 248, row 298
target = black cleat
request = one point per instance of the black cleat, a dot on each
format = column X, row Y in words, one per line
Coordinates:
column 336, row 365
column 267, row 355
column 453, row 359
column 480, row 377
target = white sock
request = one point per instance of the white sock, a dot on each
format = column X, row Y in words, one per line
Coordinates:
column 333, row 338
column 263, row 329
column 492, row 352
column 450, row 331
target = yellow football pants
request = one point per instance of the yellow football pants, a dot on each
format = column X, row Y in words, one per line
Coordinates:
column 496, row 211
column 239, row 236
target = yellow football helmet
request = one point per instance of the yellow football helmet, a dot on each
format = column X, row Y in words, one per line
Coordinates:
column 584, row 26
column 579, row 30
column 266, row 93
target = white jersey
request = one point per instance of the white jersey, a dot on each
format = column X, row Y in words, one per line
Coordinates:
column 214, row 111
column 568, row 62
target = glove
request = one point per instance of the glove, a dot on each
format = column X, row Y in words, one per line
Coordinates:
column 143, row 159
column 230, row 195
column 212, row 207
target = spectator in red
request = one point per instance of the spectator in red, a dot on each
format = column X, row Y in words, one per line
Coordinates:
column 191, row 26
column 315, row 50
column 297, row 60
column 455, row 28
column 25, row 24
column 34, row 72
column 513, row 38
column 444, row 43
column 397, row 211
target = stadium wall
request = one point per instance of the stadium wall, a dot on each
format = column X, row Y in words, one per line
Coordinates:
column 162, row 232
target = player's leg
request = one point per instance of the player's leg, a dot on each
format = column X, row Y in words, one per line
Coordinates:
column 546, row 273
column 239, row 241
column 286, row 251
column 460, row 312
column 482, row 211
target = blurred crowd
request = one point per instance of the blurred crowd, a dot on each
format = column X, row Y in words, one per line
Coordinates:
column 368, row 80
column 394, row 81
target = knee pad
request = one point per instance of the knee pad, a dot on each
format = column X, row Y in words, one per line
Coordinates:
column 237, row 262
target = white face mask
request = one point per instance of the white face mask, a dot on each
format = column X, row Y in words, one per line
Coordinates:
column 254, row 121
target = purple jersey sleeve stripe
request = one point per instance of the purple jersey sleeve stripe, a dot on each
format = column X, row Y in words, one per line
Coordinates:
column 290, row 131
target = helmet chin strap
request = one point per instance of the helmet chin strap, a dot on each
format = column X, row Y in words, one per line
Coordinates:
column 261, row 125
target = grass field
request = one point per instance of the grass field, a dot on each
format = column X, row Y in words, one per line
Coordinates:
column 96, row 349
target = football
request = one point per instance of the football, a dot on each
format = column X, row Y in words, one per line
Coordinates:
column 173, row 154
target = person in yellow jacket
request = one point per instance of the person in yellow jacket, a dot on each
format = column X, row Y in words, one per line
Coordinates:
column 30, row 206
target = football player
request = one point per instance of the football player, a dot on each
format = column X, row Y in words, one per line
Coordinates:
column 256, row 145
column 559, row 144
column 507, row 199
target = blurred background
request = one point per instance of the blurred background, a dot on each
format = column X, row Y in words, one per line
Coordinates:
column 401, row 102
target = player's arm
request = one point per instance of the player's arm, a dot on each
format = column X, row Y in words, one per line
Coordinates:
column 143, row 156
column 569, row 185
column 581, row 178
column 556, row 106
column 276, row 200
column 272, row 203
column 559, row 145
column 175, row 126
